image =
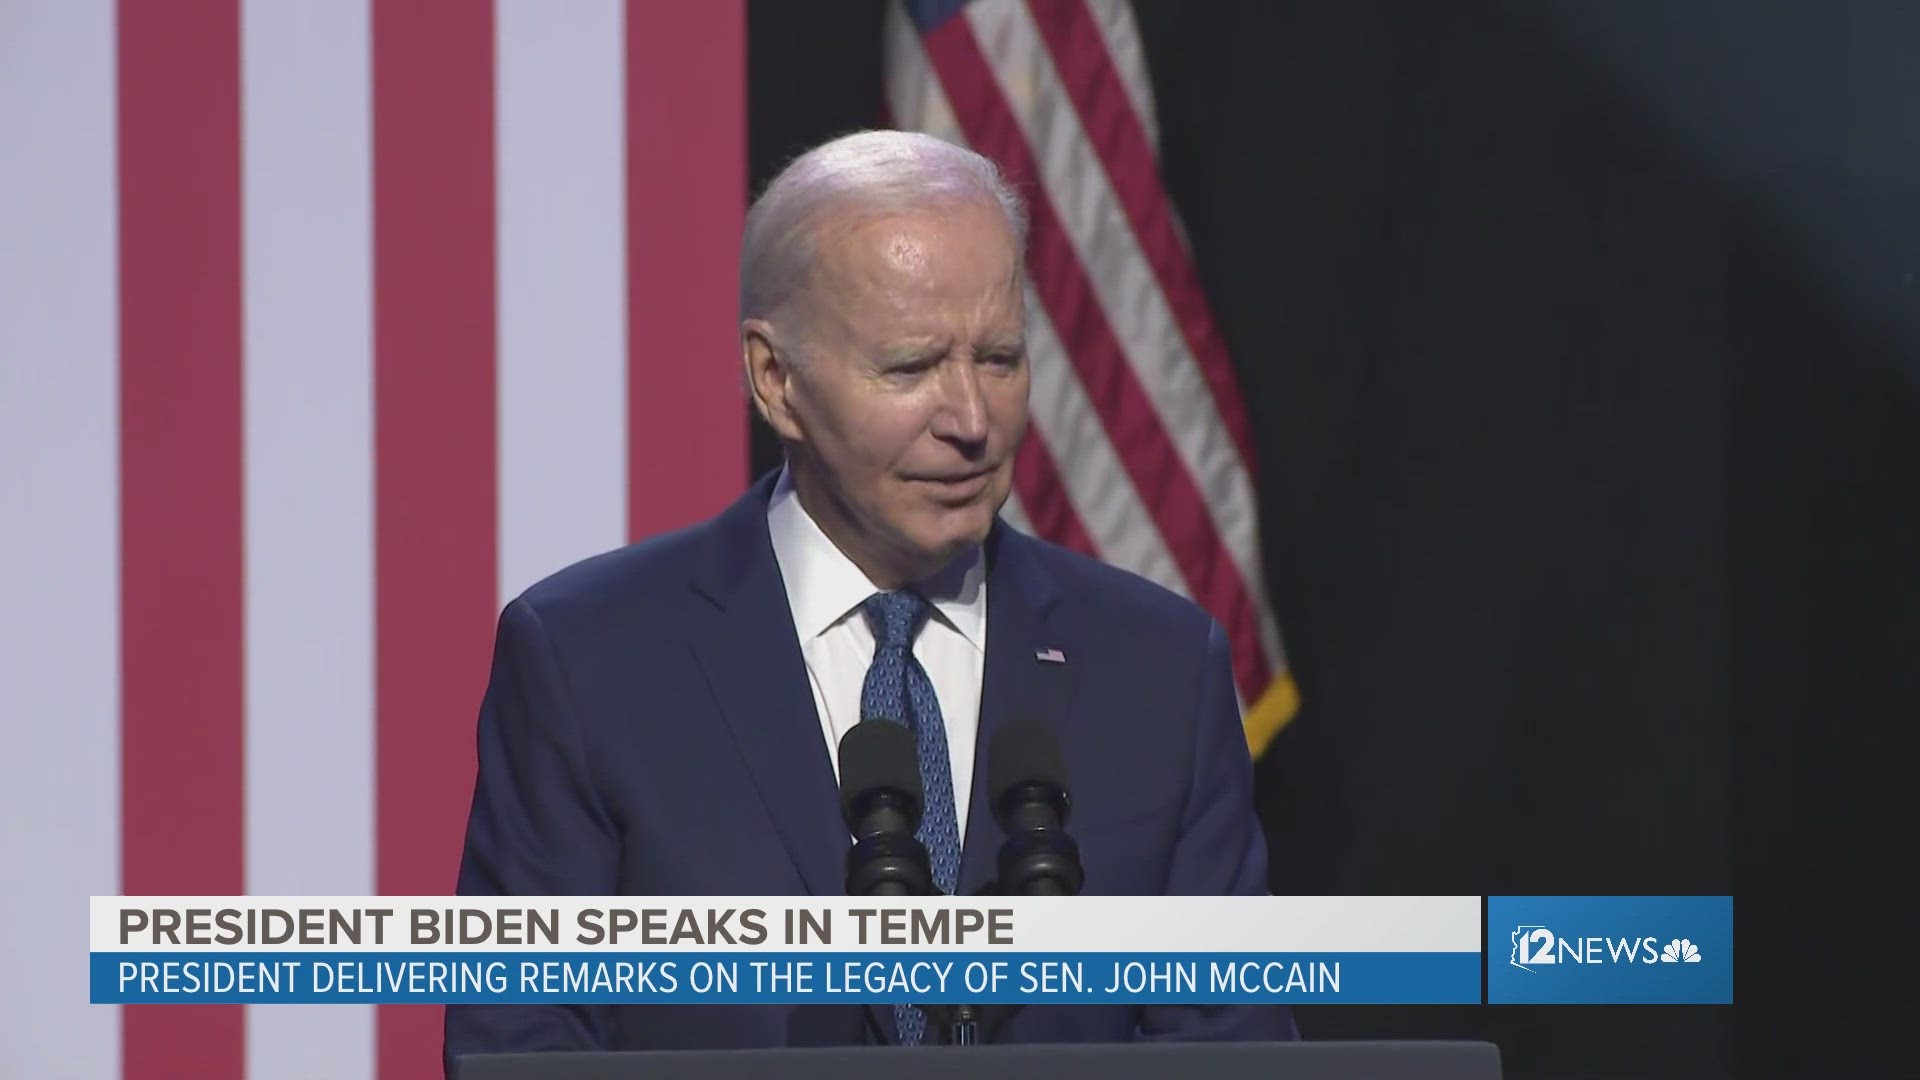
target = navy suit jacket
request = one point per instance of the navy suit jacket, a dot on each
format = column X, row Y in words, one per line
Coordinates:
column 649, row 729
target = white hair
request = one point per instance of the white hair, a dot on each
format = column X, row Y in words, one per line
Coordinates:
column 872, row 171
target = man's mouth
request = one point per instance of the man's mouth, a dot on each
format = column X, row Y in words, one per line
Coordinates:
column 959, row 485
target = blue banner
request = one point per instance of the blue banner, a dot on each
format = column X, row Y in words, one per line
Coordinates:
column 1374, row 978
column 1610, row 950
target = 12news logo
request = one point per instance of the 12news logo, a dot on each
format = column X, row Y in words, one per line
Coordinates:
column 1537, row 945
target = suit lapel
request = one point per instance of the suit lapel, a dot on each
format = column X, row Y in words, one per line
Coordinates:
column 1017, row 684
column 750, row 654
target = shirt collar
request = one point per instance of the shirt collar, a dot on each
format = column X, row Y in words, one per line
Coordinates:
column 823, row 585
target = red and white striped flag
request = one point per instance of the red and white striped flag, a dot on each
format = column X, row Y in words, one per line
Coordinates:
column 1139, row 451
column 325, row 328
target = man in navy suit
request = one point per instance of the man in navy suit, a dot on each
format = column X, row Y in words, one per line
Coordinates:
column 664, row 719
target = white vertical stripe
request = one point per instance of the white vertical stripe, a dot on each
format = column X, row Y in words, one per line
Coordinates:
column 1096, row 483
column 1122, row 35
column 309, row 499
column 59, row 548
column 562, row 280
column 1124, row 284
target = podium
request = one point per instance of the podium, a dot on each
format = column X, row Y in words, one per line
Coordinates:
column 1360, row 1060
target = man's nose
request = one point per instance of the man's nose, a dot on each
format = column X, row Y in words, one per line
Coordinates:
column 963, row 413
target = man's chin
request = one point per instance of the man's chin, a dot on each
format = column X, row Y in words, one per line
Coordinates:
column 964, row 530
column 935, row 550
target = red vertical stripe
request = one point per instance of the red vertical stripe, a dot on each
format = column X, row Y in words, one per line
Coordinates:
column 686, row 199
column 434, row 535
column 1088, row 73
column 1140, row 437
column 180, row 496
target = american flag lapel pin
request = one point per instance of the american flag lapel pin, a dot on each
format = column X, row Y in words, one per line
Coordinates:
column 1051, row 656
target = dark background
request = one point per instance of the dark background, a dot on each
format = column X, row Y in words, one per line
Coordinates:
column 1580, row 343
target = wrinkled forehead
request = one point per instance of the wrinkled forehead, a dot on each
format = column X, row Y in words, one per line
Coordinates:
column 949, row 251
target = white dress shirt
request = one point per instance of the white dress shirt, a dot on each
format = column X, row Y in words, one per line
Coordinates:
column 824, row 592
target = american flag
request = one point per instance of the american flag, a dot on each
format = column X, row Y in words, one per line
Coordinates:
column 1139, row 451
column 326, row 328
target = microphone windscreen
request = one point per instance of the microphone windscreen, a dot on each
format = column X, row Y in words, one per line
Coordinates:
column 878, row 755
column 1024, row 752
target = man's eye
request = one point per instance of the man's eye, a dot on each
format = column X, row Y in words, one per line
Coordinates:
column 1002, row 359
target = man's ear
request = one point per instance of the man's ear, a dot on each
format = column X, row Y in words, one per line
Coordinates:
column 769, row 371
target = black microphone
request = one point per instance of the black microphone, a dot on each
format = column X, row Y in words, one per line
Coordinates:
column 881, row 800
column 1031, row 802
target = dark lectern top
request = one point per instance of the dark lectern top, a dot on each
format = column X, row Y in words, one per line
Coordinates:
column 1383, row 1060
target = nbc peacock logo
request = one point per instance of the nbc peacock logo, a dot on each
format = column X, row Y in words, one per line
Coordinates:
column 1680, row 951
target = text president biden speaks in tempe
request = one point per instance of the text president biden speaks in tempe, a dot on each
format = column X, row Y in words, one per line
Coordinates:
column 664, row 719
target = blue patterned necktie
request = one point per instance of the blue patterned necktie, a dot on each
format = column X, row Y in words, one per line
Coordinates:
column 897, row 689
